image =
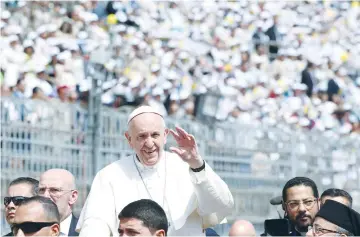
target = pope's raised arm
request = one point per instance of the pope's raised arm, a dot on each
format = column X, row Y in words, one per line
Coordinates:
column 213, row 195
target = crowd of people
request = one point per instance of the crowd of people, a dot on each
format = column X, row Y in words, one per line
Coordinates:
column 155, row 192
column 266, row 62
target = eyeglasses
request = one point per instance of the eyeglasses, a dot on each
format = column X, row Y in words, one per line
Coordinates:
column 30, row 227
column 55, row 192
column 294, row 205
column 17, row 200
column 318, row 231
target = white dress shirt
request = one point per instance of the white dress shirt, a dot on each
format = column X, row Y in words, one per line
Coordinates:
column 65, row 226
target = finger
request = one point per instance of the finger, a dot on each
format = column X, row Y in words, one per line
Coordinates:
column 182, row 133
column 192, row 138
column 175, row 135
column 177, row 151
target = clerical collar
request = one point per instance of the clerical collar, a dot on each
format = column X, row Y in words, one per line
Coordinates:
column 143, row 167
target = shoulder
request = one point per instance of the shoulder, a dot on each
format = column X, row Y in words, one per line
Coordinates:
column 118, row 167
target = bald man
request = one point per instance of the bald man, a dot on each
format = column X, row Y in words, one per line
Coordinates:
column 242, row 228
column 59, row 186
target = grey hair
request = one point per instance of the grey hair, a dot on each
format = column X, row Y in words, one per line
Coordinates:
column 343, row 232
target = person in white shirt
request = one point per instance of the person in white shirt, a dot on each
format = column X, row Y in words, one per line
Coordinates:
column 192, row 195
column 59, row 186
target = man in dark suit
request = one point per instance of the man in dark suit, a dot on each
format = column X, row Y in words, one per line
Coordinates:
column 19, row 190
column 59, row 186
column 307, row 78
column 274, row 38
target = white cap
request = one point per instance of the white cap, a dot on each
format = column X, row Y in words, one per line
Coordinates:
column 42, row 29
column 83, row 35
column 13, row 29
column 167, row 85
column 32, row 35
column 54, row 51
column 119, row 28
column 157, row 91
column 40, row 68
column 300, row 86
column 142, row 110
column 135, row 79
column 64, row 55
column 52, row 27
column 155, row 67
column 12, row 38
column 28, row 43
column 304, row 122
column 5, row 15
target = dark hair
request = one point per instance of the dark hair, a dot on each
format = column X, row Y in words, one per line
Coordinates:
column 297, row 181
column 36, row 90
column 334, row 192
column 149, row 212
column 50, row 208
column 27, row 180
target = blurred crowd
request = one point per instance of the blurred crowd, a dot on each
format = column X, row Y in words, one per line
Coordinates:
column 293, row 62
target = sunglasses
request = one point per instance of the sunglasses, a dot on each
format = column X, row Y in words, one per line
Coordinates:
column 30, row 227
column 17, row 200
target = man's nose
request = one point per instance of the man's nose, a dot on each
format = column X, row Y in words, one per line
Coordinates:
column 302, row 207
column 149, row 142
column 11, row 205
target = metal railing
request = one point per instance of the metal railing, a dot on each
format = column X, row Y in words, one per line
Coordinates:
column 254, row 161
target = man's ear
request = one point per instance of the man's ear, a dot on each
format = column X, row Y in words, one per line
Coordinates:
column 128, row 138
column 160, row 233
column 55, row 230
column 74, row 197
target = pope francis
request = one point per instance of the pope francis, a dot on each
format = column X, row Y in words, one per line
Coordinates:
column 193, row 196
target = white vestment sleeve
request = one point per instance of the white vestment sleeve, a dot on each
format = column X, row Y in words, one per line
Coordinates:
column 98, row 216
column 213, row 194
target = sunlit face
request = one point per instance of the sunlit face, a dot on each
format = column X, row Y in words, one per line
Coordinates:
column 135, row 227
column 301, row 206
column 147, row 136
column 22, row 189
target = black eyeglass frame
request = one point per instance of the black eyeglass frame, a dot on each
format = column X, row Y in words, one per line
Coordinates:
column 17, row 200
column 30, row 227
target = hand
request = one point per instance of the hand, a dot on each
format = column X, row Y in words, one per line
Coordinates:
column 188, row 149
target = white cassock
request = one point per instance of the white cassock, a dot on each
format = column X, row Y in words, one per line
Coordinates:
column 192, row 201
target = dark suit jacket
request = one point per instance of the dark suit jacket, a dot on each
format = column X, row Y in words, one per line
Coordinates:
column 72, row 228
column 210, row 232
column 9, row 234
column 306, row 79
column 333, row 89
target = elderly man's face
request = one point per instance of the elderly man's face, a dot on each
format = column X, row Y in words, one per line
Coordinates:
column 17, row 190
column 147, row 136
column 135, row 227
column 342, row 200
column 301, row 206
column 34, row 212
column 322, row 227
column 59, row 187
